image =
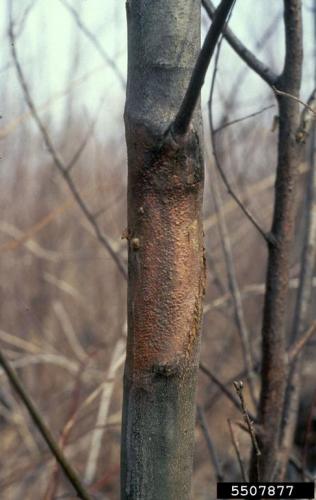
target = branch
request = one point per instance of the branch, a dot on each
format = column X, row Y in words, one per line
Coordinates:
column 117, row 359
column 297, row 99
column 246, row 55
column 95, row 42
column 224, row 389
column 237, row 450
column 307, row 118
column 293, row 459
column 234, row 289
column 229, row 262
column 243, row 118
column 25, row 15
column 63, row 169
column 255, row 189
column 69, row 472
column 183, row 118
column 239, row 389
column 15, row 122
column 53, row 483
column 77, row 154
column 267, row 236
column 274, row 365
column 308, row 432
column 210, row 444
column 297, row 347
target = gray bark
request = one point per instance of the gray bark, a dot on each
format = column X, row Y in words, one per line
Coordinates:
column 166, row 260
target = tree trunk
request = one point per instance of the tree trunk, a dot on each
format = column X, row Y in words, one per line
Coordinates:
column 166, row 258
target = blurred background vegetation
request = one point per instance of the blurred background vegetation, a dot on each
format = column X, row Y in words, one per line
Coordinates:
column 63, row 298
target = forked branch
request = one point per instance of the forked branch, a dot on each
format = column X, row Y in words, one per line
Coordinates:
column 245, row 54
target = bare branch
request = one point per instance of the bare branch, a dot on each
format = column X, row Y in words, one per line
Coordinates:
column 246, row 55
column 232, row 398
column 237, row 450
column 95, row 42
column 85, row 141
column 297, row 99
column 117, row 360
column 43, row 429
column 300, row 467
column 210, row 444
column 229, row 262
column 32, row 245
column 239, row 389
column 297, row 347
column 308, row 432
column 254, row 189
column 13, row 124
column 238, row 120
column 234, row 289
column 58, row 161
column 28, row 9
column 249, row 290
column 224, row 389
column 307, row 118
column 69, row 331
column 266, row 236
column 184, row 115
column 274, row 365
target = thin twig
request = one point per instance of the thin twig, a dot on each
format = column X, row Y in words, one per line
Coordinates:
column 245, row 210
column 43, row 429
column 230, row 395
column 307, row 118
column 62, row 168
column 228, row 256
column 95, row 42
column 249, row 291
column 184, row 115
column 297, row 347
column 234, row 290
column 85, row 141
column 299, row 466
column 246, row 55
column 65, row 434
column 237, row 451
column 25, row 16
column 210, row 444
column 243, row 118
column 308, row 430
column 238, row 384
column 293, row 458
column 297, row 99
column 117, row 360
column 69, row 331
column 13, row 124
column 254, row 189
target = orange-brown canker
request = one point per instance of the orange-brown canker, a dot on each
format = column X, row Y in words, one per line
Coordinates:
column 167, row 257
